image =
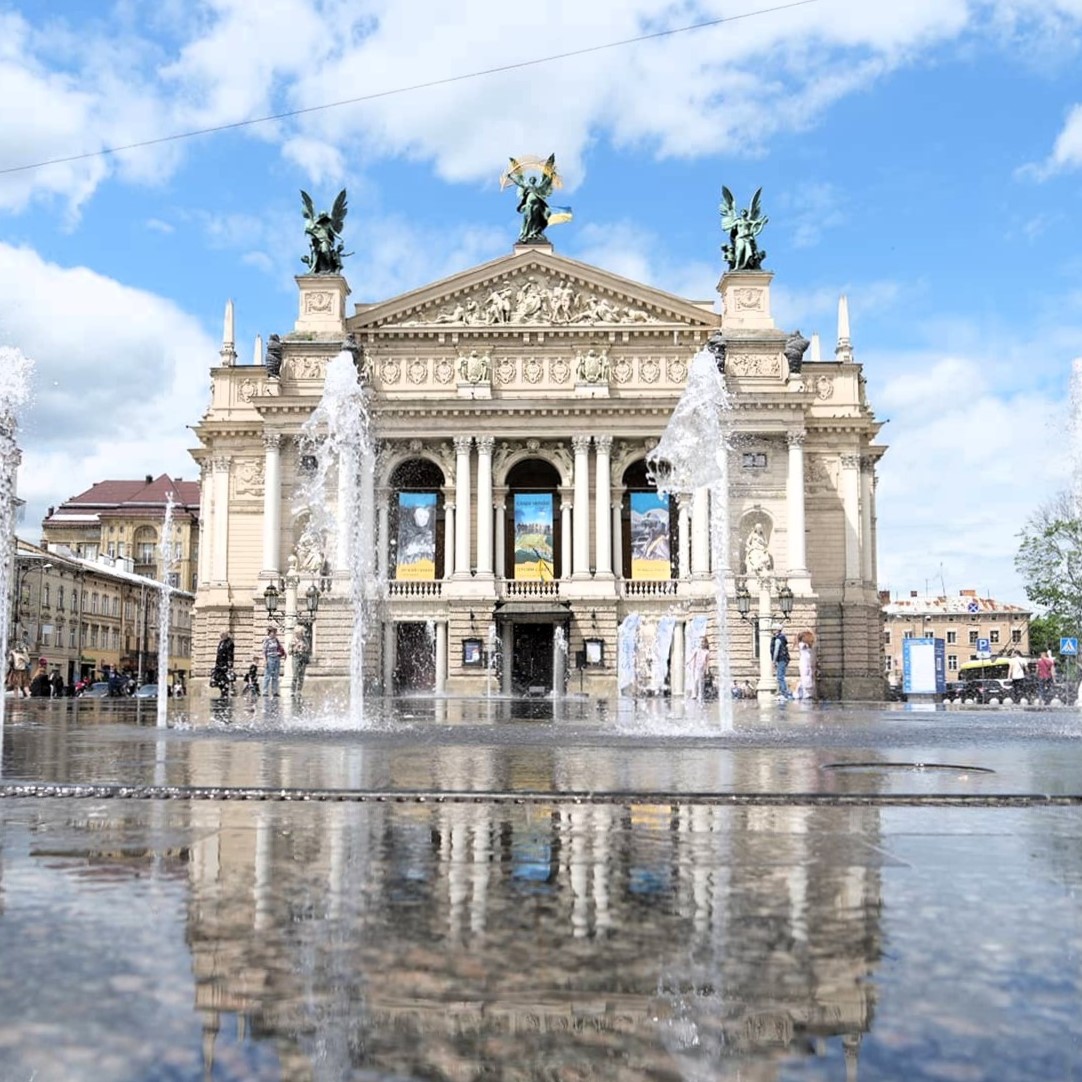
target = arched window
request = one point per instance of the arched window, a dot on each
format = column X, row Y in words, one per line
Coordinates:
column 649, row 527
column 532, row 536
column 416, row 521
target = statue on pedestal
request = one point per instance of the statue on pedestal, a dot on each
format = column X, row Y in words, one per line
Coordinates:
column 744, row 226
column 274, row 357
column 534, row 192
column 796, row 346
column 324, row 233
column 757, row 558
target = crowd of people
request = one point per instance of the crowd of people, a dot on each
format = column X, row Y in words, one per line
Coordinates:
column 271, row 653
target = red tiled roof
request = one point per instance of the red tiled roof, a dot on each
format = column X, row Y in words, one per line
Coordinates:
column 119, row 497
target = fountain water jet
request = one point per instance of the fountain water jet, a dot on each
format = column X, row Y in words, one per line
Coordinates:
column 337, row 434
column 694, row 453
column 15, row 370
column 165, row 551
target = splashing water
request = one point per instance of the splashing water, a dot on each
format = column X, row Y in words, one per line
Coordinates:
column 166, row 552
column 694, row 453
column 337, row 435
column 15, row 372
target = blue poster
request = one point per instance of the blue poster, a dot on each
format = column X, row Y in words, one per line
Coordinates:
column 650, row 555
column 416, row 536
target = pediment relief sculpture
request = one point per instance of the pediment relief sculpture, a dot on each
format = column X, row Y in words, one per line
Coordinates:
column 532, row 300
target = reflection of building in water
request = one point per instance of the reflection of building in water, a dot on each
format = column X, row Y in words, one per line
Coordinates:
column 429, row 938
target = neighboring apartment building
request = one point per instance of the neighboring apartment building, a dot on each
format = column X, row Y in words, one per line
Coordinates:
column 961, row 622
column 89, row 616
column 123, row 520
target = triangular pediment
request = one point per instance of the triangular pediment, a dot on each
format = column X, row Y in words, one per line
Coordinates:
column 533, row 288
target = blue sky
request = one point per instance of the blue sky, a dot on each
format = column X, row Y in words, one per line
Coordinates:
column 925, row 161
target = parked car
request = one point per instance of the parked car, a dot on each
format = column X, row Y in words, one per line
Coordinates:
column 147, row 691
column 99, row 690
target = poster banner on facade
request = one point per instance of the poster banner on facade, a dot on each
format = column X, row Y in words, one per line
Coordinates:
column 650, row 536
column 533, row 535
column 416, row 536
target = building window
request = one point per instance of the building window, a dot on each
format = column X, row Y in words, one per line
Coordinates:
column 754, row 460
column 952, row 663
column 1016, row 635
column 144, row 552
column 93, row 634
column 952, row 637
column 907, row 634
column 60, row 598
column 71, row 637
column 45, row 595
column 112, row 549
column 993, row 635
column 888, row 663
column 114, row 638
column 173, row 579
column 93, row 602
column 972, row 638
column 886, row 637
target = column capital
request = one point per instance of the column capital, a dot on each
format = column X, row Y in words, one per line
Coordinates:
column 462, row 444
column 221, row 463
column 796, row 438
column 850, row 462
column 581, row 444
column 603, row 444
column 272, row 441
column 867, row 464
column 485, row 444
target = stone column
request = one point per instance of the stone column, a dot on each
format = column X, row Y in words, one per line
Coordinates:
column 441, row 657
column 602, row 495
column 383, row 540
column 700, row 533
column 272, row 501
column 581, row 526
column 205, row 476
column 389, row 661
column 462, row 505
column 794, row 504
column 565, row 532
column 500, row 560
column 683, row 534
column 618, row 568
column 484, row 505
column 448, row 539
column 867, row 497
column 850, row 486
column 219, row 561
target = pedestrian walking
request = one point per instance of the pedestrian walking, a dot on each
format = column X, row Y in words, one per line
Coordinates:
column 779, row 655
column 805, row 688
column 1046, row 676
column 39, row 685
column 19, row 669
column 1016, row 673
column 273, row 652
column 300, row 650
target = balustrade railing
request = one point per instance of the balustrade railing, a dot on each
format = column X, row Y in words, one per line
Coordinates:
column 415, row 588
column 647, row 587
column 529, row 588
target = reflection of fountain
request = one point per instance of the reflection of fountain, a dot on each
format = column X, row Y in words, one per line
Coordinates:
column 694, row 453
column 14, row 388
column 165, row 551
column 337, row 434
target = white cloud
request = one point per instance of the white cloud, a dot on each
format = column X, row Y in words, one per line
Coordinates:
column 117, row 379
column 66, row 89
column 1066, row 152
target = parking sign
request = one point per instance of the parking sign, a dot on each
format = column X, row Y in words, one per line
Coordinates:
column 984, row 646
column 1068, row 647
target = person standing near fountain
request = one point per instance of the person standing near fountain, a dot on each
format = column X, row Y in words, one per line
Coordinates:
column 273, row 652
column 698, row 666
column 779, row 655
column 300, row 650
column 19, row 669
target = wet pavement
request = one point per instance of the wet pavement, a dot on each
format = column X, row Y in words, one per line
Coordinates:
column 497, row 889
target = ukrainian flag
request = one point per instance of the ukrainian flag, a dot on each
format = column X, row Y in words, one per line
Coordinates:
column 559, row 214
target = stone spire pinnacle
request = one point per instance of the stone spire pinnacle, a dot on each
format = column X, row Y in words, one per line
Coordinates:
column 228, row 352
column 257, row 350
column 844, row 350
column 816, row 352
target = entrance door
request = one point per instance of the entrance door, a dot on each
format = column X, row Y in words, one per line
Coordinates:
column 531, row 659
column 415, row 659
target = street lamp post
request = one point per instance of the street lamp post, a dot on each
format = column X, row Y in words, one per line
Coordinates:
column 291, row 617
column 764, row 621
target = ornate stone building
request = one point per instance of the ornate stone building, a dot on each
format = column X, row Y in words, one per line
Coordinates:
column 514, row 523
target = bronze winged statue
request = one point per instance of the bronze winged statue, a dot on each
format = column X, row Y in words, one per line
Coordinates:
column 743, row 226
column 534, row 192
column 324, row 233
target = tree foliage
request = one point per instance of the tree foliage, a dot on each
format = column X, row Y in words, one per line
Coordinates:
column 1049, row 559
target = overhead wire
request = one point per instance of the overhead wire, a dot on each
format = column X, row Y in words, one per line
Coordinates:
column 377, row 94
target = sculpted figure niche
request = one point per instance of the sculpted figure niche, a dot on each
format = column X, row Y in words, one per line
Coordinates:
column 757, row 558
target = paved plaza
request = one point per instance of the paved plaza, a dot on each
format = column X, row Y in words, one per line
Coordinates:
column 508, row 889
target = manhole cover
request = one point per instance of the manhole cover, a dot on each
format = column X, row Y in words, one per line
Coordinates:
column 953, row 768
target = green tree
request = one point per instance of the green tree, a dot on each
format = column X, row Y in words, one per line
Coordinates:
column 1049, row 559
